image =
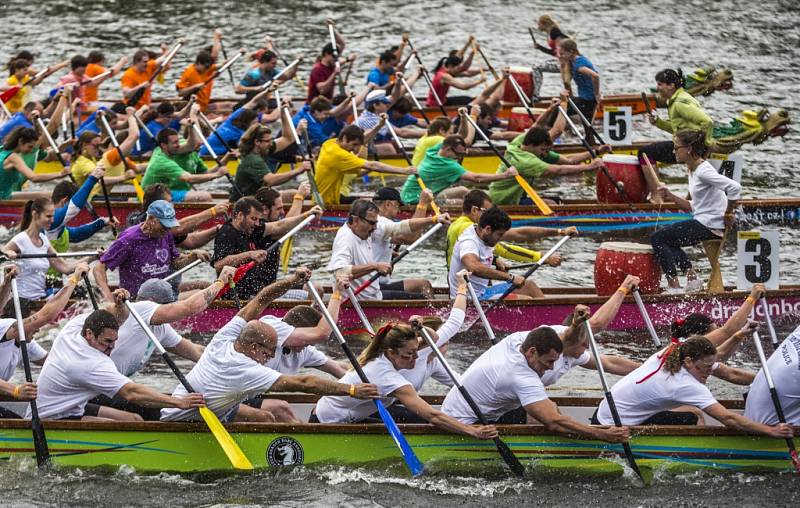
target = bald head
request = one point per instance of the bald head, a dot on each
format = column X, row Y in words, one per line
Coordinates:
column 257, row 341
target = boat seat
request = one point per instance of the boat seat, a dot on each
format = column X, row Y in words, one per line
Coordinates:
column 713, row 249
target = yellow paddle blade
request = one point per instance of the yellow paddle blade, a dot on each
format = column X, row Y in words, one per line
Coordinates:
column 138, row 188
column 540, row 204
column 286, row 253
column 235, row 454
column 434, row 206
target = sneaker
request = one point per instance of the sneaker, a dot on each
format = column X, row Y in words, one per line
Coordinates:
column 694, row 286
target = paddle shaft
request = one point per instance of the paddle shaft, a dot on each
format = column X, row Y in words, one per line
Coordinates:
column 285, row 62
column 55, row 255
column 216, row 157
column 136, row 96
column 90, row 290
column 776, row 401
column 502, row 448
column 637, row 297
column 427, row 78
column 52, row 143
column 305, row 151
column 403, row 253
column 336, row 54
column 281, row 73
column 359, row 311
column 410, row 458
column 587, row 125
column 609, row 397
column 768, row 319
column 115, row 142
column 226, row 65
column 521, row 95
column 39, row 439
column 481, row 315
column 486, row 60
column 647, row 104
column 414, row 100
column 183, row 270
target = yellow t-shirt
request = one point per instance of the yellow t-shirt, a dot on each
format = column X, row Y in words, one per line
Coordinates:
column 16, row 103
column 83, row 166
column 424, row 143
column 334, row 162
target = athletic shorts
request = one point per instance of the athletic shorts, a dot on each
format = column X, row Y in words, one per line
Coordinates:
column 178, row 196
column 494, row 292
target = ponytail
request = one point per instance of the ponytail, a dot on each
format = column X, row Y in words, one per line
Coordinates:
column 389, row 336
column 695, row 141
column 38, row 205
column 693, row 348
column 449, row 60
column 693, row 324
column 671, row 77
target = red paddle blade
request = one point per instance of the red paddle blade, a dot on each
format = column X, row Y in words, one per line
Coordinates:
column 795, row 460
column 240, row 273
column 10, row 93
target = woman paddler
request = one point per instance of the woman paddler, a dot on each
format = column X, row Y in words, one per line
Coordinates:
column 446, row 74
column 547, row 25
column 712, row 201
column 18, row 158
column 392, row 351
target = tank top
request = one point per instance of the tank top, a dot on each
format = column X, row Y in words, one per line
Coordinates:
column 31, row 278
column 441, row 88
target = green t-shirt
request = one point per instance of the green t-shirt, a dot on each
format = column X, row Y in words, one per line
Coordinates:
column 250, row 174
column 191, row 162
column 163, row 169
column 437, row 172
column 423, row 145
column 12, row 180
column 529, row 166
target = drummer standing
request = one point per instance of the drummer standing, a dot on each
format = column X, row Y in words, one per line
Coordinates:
column 583, row 72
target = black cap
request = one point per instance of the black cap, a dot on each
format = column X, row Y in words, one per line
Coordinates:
column 388, row 194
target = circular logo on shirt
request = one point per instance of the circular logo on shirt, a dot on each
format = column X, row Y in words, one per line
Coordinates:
column 284, row 451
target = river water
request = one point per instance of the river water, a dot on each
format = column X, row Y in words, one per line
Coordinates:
column 628, row 41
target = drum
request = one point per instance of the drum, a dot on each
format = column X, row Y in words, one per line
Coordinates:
column 519, row 120
column 524, row 77
column 615, row 260
column 626, row 170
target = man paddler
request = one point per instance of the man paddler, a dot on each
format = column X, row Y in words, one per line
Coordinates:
column 196, row 79
column 322, row 80
column 137, row 76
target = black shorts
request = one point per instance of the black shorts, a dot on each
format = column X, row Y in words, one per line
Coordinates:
column 89, row 409
column 662, row 418
column 585, row 106
column 7, row 413
column 394, row 291
column 150, row 414
column 458, row 100
column 515, row 416
column 660, row 151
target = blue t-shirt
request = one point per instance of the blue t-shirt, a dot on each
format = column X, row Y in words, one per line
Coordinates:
column 584, row 82
column 90, row 124
column 379, row 78
column 17, row 120
column 228, row 131
column 148, row 144
column 255, row 77
column 318, row 132
column 404, row 121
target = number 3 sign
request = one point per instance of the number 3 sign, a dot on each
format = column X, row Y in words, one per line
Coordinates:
column 617, row 122
column 758, row 259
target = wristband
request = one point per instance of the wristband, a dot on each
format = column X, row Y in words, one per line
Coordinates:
column 298, row 197
column 435, row 218
column 352, row 390
column 511, row 278
column 461, row 293
column 560, row 232
column 220, row 281
column 462, row 287
column 336, row 296
column 74, row 280
column 624, row 291
column 15, row 394
column 422, row 207
column 750, row 300
column 213, row 211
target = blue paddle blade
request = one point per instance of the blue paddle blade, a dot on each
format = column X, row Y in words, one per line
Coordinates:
column 413, row 463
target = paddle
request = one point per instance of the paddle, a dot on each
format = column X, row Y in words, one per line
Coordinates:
column 216, row 157
column 113, row 137
column 336, row 55
column 776, row 401
column 5, row 109
column 540, row 204
column 51, row 255
column 294, row 63
column 228, row 68
column 405, row 155
column 413, row 98
column 355, row 108
column 360, row 311
column 410, row 458
column 305, row 151
column 486, row 60
column 768, row 319
column 533, row 38
column 646, row 317
column 481, row 315
column 183, row 270
column 508, row 456
column 90, row 290
column 521, row 95
column 647, row 105
column 136, row 96
column 610, row 398
column 285, row 62
column 587, row 125
column 403, row 253
column 593, row 154
column 39, row 439
column 427, row 78
column 527, row 274
column 235, row 454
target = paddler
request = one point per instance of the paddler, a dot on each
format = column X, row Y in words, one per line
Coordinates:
column 440, row 128
column 475, row 203
column 233, row 367
column 138, row 75
column 586, row 78
column 322, row 80
column 234, row 126
column 94, row 70
column 247, row 235
column 193, row 80
column 375, row 107
column 338, row 158
column 446, row 74
column 21, row 75
column 506, row 384
column 713, row 201
column 546, row 24
column 24, row 118
column 783, row 367
column 18, row 158
column 325, row 120
column 266, row 71
column 352, row 254
column 441, row 169
column 79, row 368
column 164, row 115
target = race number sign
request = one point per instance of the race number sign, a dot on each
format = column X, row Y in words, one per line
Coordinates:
column 730, row 166
column 617, row 122
column 757, row 259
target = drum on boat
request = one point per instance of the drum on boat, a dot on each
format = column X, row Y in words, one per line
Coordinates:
column 626, row 170
column 524, row 78
column 615, row 260
column 518, row 120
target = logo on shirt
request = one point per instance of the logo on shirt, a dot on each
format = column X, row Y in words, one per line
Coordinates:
column 162, row 255
column 284, row 451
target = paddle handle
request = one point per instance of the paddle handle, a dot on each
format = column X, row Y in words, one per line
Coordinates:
column 637, row 297
column 427, row 78
column 481, row 315
column 90, row 290
column 360, row 311
column 55, row 255
column 52, row 143
column 414, row 100
column 182, row 270
column 768, row 319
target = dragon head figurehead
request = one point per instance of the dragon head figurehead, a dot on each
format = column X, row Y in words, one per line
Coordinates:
column 750, row 127
column 707, row 80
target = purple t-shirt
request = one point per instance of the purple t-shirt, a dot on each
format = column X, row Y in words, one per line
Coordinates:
column 140, row 257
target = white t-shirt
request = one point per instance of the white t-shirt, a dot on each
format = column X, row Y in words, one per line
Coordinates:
column 11, row 355
column 661, row 392
column 564, row 362
column 224, row 376
column 710, row 193
column 784, row 365
column 133, row 348
column 31, row 276
column 345, row 409
column 500, row 380
column 75, row 373
column 469, row 243
column 292, row 362
column 427, row 365
column 350, row 250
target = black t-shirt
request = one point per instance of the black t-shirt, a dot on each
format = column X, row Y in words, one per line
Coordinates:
column 230, row 241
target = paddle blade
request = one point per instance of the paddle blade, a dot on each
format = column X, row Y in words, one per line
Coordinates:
column 286, row 254
column 40, row 443
column 513, row 463
column 235, row 454
column 138, row 188
column 540, row 204
column 413, row 463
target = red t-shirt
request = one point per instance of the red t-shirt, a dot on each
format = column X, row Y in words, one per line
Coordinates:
column 319, row 74
column 441, row 89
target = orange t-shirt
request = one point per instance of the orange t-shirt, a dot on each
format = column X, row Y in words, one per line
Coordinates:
column 90, row 91
column 131, row 78
column 191, row 77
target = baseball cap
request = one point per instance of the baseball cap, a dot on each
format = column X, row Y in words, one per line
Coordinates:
column 164, row 212
column 156, row 290
column 387, row 194
column 377, row 96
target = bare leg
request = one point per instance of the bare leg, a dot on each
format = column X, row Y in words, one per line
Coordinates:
column 251, row 414
column 385, row 149
column 454, row 193
column 198, row 196
column 280, row 409
column 528, row 290
column 418, row 286
column 26, row 195
column 109, row 413
column 653, row 183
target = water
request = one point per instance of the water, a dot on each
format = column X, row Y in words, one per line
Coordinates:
column 629, row 41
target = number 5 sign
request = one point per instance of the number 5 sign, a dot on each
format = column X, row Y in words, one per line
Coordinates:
column 757, row 259
column 617, row 122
